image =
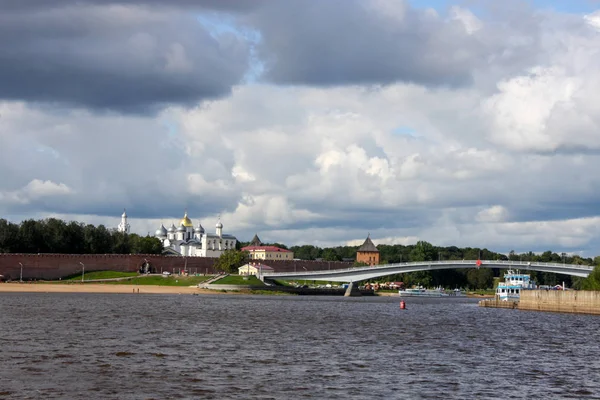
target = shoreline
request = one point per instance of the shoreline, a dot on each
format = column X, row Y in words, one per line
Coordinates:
column 15, row 287
column 101, row 288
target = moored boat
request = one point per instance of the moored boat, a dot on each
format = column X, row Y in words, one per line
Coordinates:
column 422, row 292
column 514, row 283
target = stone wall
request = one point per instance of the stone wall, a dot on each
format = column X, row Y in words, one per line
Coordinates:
column 569, row 301
column 54, row 266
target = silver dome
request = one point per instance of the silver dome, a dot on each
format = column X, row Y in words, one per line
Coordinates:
column 199, row 229
column 172, row 229
column 161, row 232
column 181, row 228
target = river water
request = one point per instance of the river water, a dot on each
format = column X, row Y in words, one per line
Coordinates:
column 94, row 346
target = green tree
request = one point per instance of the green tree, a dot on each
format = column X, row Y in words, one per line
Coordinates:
column 8, row 236
column 592, row 282
column 306, row 252
column 422, row 278
column 423, row 251
column 230, row 260
column 480, row 278
column 121, row 243
column 147, row 245
column 330, row 255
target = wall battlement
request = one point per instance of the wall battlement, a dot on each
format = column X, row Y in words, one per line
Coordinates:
column 54, row 266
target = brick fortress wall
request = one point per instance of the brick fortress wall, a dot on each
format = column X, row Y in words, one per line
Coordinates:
column 54, row 266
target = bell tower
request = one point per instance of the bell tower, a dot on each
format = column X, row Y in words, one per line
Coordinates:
column 124, row 225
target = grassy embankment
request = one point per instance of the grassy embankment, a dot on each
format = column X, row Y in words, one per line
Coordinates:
column 252, row 281
column 93, row 275
column 133, row 278
column 239, row 280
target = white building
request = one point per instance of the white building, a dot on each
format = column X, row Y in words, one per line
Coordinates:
column 254, row 269
column 186, row 240
column 123, row 226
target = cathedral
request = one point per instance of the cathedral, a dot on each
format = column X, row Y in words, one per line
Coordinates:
column 185, row 240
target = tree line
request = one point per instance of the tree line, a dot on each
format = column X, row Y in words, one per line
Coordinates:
column 53, row 235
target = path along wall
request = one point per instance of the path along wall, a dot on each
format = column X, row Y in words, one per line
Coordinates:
column 54, row 266
column 568, row 301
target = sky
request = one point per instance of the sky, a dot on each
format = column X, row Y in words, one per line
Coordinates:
column 472, row 123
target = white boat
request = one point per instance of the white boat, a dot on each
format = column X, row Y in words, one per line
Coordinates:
column 422, row 292
column 513, row 284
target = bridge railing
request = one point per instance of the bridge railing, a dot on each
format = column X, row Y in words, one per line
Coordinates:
column 484, row 263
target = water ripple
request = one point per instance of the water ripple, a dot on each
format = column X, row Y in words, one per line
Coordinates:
column 93, row 346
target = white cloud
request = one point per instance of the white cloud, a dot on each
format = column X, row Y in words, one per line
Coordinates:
column 492, row 214
column 469, row 21
column 593, row 19
column 35, row 190
column 506, row 162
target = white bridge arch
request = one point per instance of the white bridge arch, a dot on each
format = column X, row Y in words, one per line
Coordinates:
column 357, row 274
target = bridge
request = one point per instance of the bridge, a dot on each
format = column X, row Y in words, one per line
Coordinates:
column 358, row 274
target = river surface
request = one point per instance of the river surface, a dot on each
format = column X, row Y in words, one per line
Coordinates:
column 116, row 346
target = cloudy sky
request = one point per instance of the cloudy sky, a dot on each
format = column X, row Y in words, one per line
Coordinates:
column 466, row 122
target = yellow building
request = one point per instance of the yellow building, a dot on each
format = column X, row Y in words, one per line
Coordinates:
column 258, row 251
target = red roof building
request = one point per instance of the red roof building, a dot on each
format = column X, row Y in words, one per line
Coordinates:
column 268, row 253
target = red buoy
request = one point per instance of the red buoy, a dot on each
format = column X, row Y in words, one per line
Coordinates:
column 402, row 305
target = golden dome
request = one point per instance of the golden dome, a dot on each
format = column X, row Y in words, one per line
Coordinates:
column 185, row 221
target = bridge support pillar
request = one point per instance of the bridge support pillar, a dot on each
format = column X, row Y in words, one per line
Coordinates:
column 352, row 290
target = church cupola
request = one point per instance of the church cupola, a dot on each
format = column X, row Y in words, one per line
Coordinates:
column 199, row 231
column 219, row 227
column 161, row 232
column 186, row 222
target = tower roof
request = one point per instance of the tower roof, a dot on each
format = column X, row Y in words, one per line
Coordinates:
column 255, row 240
column 368, row 246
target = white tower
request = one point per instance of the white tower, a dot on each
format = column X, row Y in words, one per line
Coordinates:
column 123, row 226
column 219, row 227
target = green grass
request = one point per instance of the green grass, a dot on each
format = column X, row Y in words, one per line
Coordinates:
column 100, row 275
column 283, row 283
column 163, row 281
column 302, row 282
column 239, row 280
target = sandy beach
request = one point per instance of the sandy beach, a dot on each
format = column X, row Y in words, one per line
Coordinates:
column 100, row 288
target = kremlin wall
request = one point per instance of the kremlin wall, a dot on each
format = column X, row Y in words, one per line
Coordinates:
column 55, row 266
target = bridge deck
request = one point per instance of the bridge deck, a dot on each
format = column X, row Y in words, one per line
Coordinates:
column 355, row 274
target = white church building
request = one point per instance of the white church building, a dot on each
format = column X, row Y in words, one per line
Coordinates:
column 186, row 240
column 124, row 225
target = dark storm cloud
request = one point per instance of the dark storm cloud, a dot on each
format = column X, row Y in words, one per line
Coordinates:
column 354, row 42
column 123, row 58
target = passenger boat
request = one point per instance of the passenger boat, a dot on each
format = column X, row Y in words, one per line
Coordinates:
column 422, row 292
column 513, row 284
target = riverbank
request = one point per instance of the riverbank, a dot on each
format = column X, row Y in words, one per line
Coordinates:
column 100, row 288
column 148, row 289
